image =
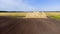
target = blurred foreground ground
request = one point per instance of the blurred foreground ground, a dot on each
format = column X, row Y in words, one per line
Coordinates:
column 15, row 25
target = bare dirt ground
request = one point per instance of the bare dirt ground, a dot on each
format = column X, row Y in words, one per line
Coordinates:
column 9, row 25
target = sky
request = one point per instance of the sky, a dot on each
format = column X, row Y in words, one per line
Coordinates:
column 29, row 5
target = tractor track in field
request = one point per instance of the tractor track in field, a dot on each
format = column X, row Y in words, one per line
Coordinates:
column 9, row 25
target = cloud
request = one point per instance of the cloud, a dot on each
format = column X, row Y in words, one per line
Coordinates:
column 23, row 5
column 14, row 5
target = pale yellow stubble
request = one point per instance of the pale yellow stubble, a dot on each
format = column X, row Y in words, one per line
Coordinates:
column 36, row 15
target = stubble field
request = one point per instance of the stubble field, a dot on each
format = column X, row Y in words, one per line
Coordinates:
column 23, row 14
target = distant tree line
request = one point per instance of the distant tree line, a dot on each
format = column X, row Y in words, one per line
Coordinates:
column 29, row 11
column 3, row 11
column 11, row 11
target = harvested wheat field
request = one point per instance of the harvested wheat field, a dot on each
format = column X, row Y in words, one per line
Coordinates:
column 36, row 15
column 15, row 25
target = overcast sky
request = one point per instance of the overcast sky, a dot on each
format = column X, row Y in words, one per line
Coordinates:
column 29, row 5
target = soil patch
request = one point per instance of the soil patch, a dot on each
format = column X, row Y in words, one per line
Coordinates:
column 9, row 25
